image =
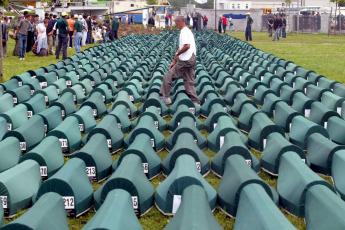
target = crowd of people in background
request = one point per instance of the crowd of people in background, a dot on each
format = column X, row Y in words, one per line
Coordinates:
column 42, row 36
column 276, row 24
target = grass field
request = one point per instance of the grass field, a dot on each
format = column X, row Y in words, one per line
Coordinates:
column 317, row 52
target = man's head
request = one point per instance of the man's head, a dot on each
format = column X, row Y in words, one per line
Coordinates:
column 63, row 14
column 180, row 22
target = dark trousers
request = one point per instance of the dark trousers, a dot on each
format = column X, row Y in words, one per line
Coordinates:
column 115, row 34
column 248, row 33
column 224, row 28
column 186, row 71
column 22, row 45
column 70, row 34
column 283, row 32
column 62, row 44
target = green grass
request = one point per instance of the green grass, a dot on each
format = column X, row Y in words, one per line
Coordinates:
column 12, row 65
column 319, row 52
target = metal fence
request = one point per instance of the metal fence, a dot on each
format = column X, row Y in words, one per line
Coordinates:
column 306, row 23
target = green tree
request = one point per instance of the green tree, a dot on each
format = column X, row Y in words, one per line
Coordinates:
column 288, row 3
column 4, row 2
column 151, row 2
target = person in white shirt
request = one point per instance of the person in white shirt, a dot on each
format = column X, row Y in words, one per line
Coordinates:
column 183, row 64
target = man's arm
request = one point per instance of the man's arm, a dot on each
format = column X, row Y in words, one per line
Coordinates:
column 178, row 53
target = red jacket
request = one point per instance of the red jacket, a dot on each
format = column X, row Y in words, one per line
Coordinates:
column 224, row 21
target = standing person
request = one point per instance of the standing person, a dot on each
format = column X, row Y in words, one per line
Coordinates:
column 270, row 22
column 22, row 30
column 4, row 28
column 70, row 23
column 231, row 24
column 115, row 27
column 220, row 22
column 62, row 30
column 224, row 23
column 50, row 36
column 248, row 33
column 195, row 22
column 83, row 41
column 42, row 42
column 16, row 49
column 284, row 26
column 277, row 26
column 31, row 33
column 204, row 21
column 89, row 30
column 132, row 19
column 183, row 64
column 78, row 33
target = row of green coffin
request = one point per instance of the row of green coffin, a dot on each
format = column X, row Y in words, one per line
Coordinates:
column 241, row 193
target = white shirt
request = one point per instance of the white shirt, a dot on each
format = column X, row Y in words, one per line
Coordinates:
column 187, row 37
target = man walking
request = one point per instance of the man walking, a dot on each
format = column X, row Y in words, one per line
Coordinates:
column 78, row 33
column 277, row 27
column 4, row 28
column 71, row 22
column 248, row 33
column 183, row 64
column 22, row 30
column 62, row 30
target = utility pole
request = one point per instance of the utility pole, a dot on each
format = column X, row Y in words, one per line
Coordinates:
column 215, row 15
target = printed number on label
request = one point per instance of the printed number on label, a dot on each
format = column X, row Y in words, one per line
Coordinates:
column 64, row 143
column 68, row 82
column 29, row 114
column 15, row 100
column 135, row 202
column 9, row 126
column 3, row 201
column 156, row 124
column 68, row 202
column 264, row 143
column 249, row 162
column 146, row 167
column 152, row 142
column 198, row 166
column 109, row 143
column 81, row 127
column 22, row 146
column 94, row 112
column 192, row 110
column 44, row 171
column 91, row 171
column 131, row 98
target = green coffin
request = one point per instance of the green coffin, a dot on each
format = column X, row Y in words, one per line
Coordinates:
column 72, row 183
column 109, row 218
column 48, row 155
column 6, row 102
column 184, row 174
column 130, row 177
column 18, row 185
column 9, row 153
column 194, row 212
column 16, row 117
column 95, row 153
column 47, row 213
column 85, row 118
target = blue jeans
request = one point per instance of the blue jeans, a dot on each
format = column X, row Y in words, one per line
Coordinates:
column 23, row 39
column 77, row 41
column 276, row 34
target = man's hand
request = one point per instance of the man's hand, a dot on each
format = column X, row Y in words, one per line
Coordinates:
column 173, row 63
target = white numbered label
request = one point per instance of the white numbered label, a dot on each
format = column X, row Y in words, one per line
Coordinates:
column 303, row 160
column 264, row 143
column 307, row 112
column 109, row 143
column 115, row 83
column 9, row 126
column 119, row 125
column 68, row 82
column 22, row 146
column 128, row 111
column 81, row 127
column 44, row 171
column 63, row 113
column 20, row 83
column 339, row 110
column 221, row 141
column 94, row 112
column 43, row 84
column 249, row 162
column 74, row 98
column 159, row 111
column 156, row 124
column 103, row 98
column 146, row 167
column 46, row 99
column 3, row 201
column 68, row 202
column 91, row 171
column 45, row 128
column 15, row 100
column 64, row 143
column 198, row 166
column 325, row 124
column 131, row 98
column 32, row 92
column 152, row 142
column 29, row 114
column 135, row 202
column 215, row 125
column 176, row 203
